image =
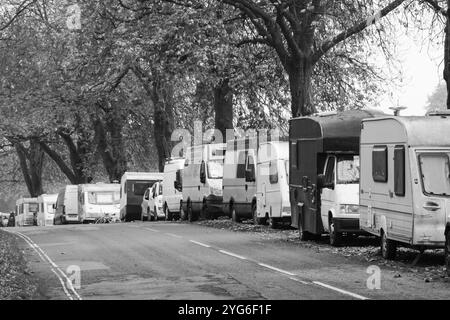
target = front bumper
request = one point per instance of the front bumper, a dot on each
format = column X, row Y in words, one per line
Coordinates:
column 350, row 225
column 214, row 204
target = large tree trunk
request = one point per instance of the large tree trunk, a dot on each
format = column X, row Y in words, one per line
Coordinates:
column 223, row 107
column 31, row 163
column 300, row 77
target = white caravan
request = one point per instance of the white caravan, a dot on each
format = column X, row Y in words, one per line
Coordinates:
column 26, row 212
column 239, row 178
column 132, row 188
column 98, row 200
column 202, row 181
column 172, row 187
column 66, row 208
column 152, row 203
column 405, row 182
column 46, row 212
column 272, row 184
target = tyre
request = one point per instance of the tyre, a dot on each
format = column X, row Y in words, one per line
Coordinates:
column 335, row 236
column 256, row 219
column 205, row 212
column 447, row 252
column 388, row 247
column 167, row 213
column 190, row 213
column 149, row 215
column 183, row 215
column 304, row 235
column 234, row 215
column 155, row 213
column 273, row 223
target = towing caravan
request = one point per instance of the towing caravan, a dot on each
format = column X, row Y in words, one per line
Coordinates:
column 272, row 185
column 324, row 173
column 46, row 209
column 172, row 187
column 405, row 182
column 239, row 178
column 66, row 208
column 98, row 200
column 202, row 181
column 132, row 188
column 26, row 212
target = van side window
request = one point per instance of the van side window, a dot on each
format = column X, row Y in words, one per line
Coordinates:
column 329, row 171
column 240, row 170
column 273, row 172
column 399, row 171
column 380, row 164
column 146, row 194
column 293, row 155
column 251, row 169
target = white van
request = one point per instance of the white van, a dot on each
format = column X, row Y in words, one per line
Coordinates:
column 152, row 203
column 46, row 212
column 132, row 188
column 172, row 187
column 405, row 182
column 202, row 181
column 98, row 200
column 26, row 212
column 272, row 184
column 66, row 209
column 239, row 178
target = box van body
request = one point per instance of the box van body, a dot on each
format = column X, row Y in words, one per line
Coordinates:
column 172, row 187
column 66, row 210
column 405, row 181
column 46, row 212
column 202, row 181
column 98, row 200
column 239, row 178
column 324, row 173
column 272, row 184
column 26, row 212
column 132, row 189
column 152, row 203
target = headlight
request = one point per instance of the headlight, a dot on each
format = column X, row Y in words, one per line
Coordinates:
column 349, row 208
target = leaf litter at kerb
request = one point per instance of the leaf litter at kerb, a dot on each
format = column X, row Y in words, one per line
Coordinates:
column 16, row 281
column 430, row 266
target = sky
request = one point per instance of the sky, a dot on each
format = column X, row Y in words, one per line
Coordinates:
column 421, row 66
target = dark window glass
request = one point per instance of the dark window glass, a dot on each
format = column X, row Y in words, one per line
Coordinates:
column 329, row 172
column 399, row 171
column 379, row 164
column 251, row 169
column 294, row 154
column 240, row 171
column 273, row 170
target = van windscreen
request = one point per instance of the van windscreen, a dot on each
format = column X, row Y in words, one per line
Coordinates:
column 347, row 169
column 33, row 207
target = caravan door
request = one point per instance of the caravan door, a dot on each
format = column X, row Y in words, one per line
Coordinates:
column 432, row 204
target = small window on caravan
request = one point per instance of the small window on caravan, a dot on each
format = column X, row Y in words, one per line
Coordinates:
column 273, row 170
column 379, row 164
column 399, row 171
column 435, row 170
column 240, row 170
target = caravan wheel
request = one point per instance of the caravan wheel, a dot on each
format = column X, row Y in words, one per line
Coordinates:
column 447, row 252
column 388, row 247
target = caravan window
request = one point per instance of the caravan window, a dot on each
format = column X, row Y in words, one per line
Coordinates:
column 399, row 171
column 379, row 164
column 33, row 207
column 435, row 170
column 273, row 170
column 215, row 169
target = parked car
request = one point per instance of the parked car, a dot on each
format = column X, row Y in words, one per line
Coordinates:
column 4, row 218
column 324, row 173
column 46, row 213
column 12, row 219
column 173, row 188
column 152, row 203
column 66, row 208
column 132, row 188
column 405, row 182
column 202, row 181
column 26, row 212
column 239, row 178
column 98, row 201
column 272, row 184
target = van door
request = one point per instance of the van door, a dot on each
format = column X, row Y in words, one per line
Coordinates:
column 431, row 207
column 328, row 195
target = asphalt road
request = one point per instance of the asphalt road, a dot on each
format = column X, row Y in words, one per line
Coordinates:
column 169, row 260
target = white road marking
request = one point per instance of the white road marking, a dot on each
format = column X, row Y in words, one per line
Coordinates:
column 150, row 229
column 233, row 254
column 298, row 280
column 354, row 295
column 174, row 235
column 276, row 269
column 200, row 244
column 52, row 263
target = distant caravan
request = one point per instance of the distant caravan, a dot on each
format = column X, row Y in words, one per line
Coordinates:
column 202, row 182
column 97, row 201
column 66, row 208
column 132, row 189
column 26, row 212
column 46, row 212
